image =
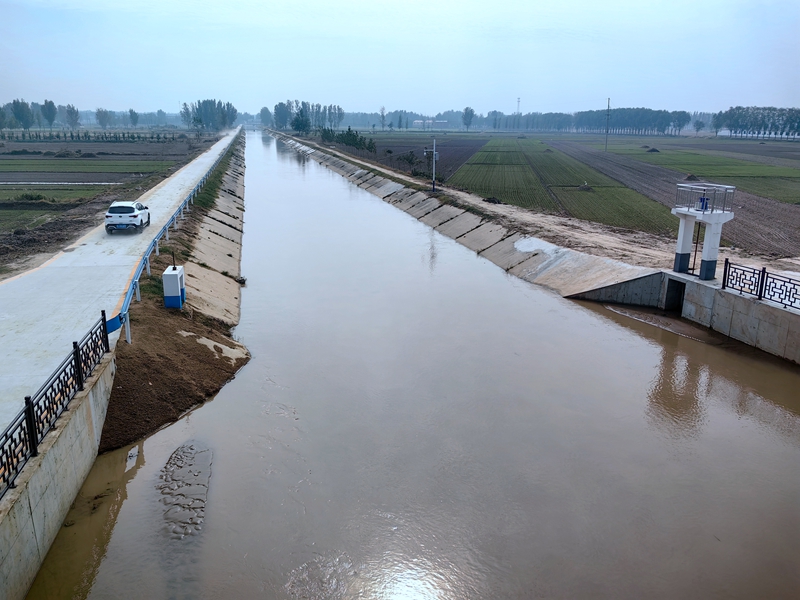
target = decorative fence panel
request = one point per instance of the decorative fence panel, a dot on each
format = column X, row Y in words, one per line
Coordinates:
column 762, row 284
column 20, row 440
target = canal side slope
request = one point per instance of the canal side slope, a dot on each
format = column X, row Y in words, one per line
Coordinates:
column 181, row 358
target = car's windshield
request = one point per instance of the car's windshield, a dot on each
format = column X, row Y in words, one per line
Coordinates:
column 121, row 210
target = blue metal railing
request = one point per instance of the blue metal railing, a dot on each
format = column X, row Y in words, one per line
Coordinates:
column 122, row 318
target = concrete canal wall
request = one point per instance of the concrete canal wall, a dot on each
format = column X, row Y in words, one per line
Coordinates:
column 574, row 274
column 762, row 324
column 31, row 513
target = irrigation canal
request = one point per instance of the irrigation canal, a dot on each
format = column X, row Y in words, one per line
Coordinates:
column 415, row 423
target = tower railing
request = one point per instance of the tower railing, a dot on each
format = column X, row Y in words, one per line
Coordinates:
column 705, row 197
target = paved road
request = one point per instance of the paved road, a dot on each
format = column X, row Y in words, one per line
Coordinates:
column 44, row 310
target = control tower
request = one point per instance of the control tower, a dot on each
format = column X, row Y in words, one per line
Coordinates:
column 711, row 205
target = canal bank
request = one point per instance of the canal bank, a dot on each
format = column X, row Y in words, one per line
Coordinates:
column 181, row 358
column 416, row 423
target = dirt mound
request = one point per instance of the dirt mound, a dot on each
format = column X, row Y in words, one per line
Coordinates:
column 548, row 150
column 645, row 146
column 585, row 187
column 88, row 155
column 493, row 200
column 65, row 154
column 691, row 177
column 653, row 150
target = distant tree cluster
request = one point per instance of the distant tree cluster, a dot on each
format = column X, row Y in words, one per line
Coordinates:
column 210, row 115
column 755, row 121
column 20, row 114
column 305, row 116
column 266, row 117
column 348, row 138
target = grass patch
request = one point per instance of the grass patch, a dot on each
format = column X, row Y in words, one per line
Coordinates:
column 13, row 219
column 784, row 189
column 151, row 286
column 52, row 193
column 208, row 195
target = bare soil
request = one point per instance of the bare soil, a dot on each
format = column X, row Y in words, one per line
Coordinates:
column 163, row 374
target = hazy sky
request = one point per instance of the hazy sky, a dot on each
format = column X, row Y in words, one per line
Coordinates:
column 427, row 56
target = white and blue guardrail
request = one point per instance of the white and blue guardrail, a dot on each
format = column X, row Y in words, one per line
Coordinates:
column 122, row 318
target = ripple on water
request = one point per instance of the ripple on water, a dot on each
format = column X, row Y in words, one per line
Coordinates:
column 183, row 484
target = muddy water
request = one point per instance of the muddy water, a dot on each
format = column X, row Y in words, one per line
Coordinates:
column 415, row 423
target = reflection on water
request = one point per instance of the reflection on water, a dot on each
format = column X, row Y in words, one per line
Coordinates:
column 690, row 375
column 81, row 546
column 415, row 423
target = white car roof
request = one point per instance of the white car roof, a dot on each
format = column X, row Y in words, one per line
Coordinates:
column 124, row 203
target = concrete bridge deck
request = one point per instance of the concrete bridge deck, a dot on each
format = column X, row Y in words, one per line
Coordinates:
column 44, row 310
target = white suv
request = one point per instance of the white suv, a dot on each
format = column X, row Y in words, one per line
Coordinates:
column 127, row 215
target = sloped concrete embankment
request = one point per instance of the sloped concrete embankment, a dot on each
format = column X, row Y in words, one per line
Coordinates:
column 567, row 272
column 577, row 275
column 213, row 275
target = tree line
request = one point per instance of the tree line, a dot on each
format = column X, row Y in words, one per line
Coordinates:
column 210, row 115
column 303, row 116
column 758, row 122
column 781, row 123
column 19, row 114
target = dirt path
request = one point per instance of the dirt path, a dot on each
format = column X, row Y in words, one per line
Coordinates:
column 626, row 245
column 761, row 225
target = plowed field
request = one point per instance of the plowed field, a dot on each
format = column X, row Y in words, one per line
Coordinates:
column 761, row 225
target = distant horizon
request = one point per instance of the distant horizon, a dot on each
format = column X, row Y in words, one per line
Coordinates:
column 255, row 113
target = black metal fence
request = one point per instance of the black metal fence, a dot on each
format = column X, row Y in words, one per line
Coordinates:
column 762, row 284
column 20, row 440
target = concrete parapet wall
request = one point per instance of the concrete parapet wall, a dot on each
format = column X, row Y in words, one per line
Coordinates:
column 31, row 514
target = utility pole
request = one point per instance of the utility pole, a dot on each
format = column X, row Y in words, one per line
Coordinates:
column 434, row 158
column 608, row 120
column 518, row 115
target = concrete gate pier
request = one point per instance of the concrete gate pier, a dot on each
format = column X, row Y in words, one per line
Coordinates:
column 706, row 203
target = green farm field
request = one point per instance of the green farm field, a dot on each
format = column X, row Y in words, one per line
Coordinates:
column 54, row 193
column 702, row 158
column 513, row 184
column 530, row 174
